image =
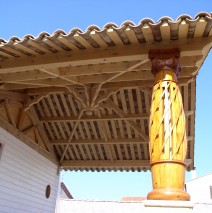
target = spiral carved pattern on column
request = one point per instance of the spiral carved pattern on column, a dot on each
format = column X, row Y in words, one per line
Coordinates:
column 168, row 140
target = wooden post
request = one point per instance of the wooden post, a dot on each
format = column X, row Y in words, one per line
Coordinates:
column 168, row 142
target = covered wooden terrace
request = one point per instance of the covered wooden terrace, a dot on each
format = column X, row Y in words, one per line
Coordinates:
column 82, row 99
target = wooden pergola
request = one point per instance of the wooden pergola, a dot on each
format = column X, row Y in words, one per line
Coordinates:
column 82, row 99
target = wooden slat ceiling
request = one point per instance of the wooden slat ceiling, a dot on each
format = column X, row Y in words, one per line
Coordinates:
column 82, row 99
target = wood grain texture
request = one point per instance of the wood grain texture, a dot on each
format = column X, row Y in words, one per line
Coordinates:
column 168, row 141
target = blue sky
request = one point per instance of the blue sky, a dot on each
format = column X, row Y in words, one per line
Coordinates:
column 34, row 17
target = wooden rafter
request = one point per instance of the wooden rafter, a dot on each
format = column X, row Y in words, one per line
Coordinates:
column 59, row 76
column 115, row 76
column 71, row 91
column 22, row 137
column 27, row 75
column 130, row 80
column 34, row 101
column 66, row 71
column 77, row 95
column 44, row 90
column 72, row 134
column 10, row 115
column 94, row 118
column 12, row 96
column 104, row 163
column 20, row 118
column 107, row 164
column 33, row 116
column 121, row 113
column 136, row 74
column 94, row 69
column 28, row 129
column 100, row 141
column 104, row 96
column 189, row 47
column 103, row 127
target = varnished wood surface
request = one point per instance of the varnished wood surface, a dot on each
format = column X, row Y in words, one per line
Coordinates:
column 168, row 141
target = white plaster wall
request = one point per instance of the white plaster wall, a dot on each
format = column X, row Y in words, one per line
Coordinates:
column 63, row 194
column 24, row 175
column 199, row 189
column 90, row 206
column 82, row 206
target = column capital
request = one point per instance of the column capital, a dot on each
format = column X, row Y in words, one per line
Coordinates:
column 165, row 59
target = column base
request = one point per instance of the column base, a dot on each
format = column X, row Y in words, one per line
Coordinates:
column 167, row 206
column 168, row 194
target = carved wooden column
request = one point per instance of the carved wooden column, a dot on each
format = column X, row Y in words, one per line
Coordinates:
column 168, row 142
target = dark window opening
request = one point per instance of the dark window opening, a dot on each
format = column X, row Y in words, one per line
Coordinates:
column 48, row 191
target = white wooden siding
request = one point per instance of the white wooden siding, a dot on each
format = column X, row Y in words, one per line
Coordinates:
column 24, row 175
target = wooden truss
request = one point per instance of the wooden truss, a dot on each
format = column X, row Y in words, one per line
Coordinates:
column 83, row 100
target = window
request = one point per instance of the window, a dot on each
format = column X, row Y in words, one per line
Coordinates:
column 48, row 191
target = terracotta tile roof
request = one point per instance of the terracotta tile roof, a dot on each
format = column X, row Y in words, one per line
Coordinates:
column 110, row 35
column 133, row 199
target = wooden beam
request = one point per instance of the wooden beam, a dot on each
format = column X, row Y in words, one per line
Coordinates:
column 57, row 75
column 105, row 136
column 104, row 163
column 94, row 69
column 10, row 115
column 52, row 90
column 100, row 141
column 36, row 100
column 20, row 119
column 14, row 86
column 42, row 82
column 26, row 75
column 71, row 136
column 125, row 76
column 114, row 77
column 87, row 70
column 54, row 84
column 142, row 84
column 28, row 129
column 43, row 90
column 95, row 118
column 132, row 52
column 104, row 96
column 33, row 116
column 10, row 95
column 107, row 164
column 110, row 104
column 75, row 93
column 23, row 138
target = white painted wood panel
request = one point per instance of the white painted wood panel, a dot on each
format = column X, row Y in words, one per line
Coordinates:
column 24, row 175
